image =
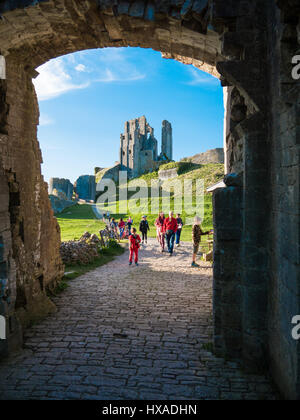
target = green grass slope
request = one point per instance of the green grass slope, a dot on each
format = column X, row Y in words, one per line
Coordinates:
column 76, row 220
column 80, row 218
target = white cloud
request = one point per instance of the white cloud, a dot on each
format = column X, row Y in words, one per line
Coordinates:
column 81, row 68
column 110, row 77
column 54, row 80
column 45, row 120
column 201, row 78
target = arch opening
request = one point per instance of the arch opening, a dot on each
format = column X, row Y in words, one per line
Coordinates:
column 239, row 45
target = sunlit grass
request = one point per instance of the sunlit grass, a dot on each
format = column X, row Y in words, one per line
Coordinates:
column 76, row 220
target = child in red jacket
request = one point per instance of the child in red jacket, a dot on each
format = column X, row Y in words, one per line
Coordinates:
column 134, row 245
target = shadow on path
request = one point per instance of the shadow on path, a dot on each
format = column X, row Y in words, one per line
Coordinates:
column 125, row 332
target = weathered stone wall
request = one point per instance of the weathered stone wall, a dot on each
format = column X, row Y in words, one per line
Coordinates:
column 59, row 202
column 109, row 173
column 210, row 156
column 138, row 147
column 167, row 140
column 256, row 277
column 31, row 256
column 257, row 270
column 284, row 120
column 227, row 291
column 85, row 187
column 242, row 322
column 61, row 184
column 168, row 174
column 7, row 274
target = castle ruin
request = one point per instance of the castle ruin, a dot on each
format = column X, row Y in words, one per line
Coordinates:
column 139, row 147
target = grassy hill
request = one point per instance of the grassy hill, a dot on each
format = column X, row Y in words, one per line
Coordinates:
column 77, row 219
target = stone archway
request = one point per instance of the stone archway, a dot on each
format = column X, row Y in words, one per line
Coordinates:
column 233, row 40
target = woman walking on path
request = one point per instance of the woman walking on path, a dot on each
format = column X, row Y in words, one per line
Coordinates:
column 160, row 233
column 197, row 233
column 170, row 227
column 179, row 230
column 144, row 227
column 134, row 245
column 121, row 228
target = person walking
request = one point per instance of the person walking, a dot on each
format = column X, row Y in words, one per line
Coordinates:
column 197, row 233
column 114, row 228
column 134, row 245
column 113, row 224
column 170, row 227
column 129, row 224
column 160, row 233
column 121, row 228
column 179, row 229
column 144, row 227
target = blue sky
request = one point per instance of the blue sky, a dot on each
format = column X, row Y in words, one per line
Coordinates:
column 86, row 97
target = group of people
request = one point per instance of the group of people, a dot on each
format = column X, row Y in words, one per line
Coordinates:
column 168, row 232
column 168, row 229
column 121, row 228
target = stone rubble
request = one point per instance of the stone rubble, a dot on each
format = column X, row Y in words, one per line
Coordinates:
column 83, row 251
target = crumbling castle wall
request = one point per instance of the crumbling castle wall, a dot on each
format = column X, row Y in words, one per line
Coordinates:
column 210, row 156
column 61, row 184
column 30, row 235
column 167, row 140
column 85, row 187
column 138, row 149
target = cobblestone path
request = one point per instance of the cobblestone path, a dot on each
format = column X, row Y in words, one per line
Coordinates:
column 125, row 332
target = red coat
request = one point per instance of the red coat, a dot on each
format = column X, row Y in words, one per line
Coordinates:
column 170, row 224
column 134, row 242
column 121, row 224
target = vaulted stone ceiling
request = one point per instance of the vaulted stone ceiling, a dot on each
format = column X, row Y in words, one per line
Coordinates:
column 53, row 28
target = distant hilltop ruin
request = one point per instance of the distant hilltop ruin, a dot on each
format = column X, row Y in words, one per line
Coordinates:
column 139, row 150
column 138, row 155
column 139, row 147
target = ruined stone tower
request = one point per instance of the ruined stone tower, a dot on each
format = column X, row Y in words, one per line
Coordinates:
column 138, row 149
column 61, row 184
column 167, row 140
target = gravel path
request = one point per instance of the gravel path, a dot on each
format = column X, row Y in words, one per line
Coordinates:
column 125, row 332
